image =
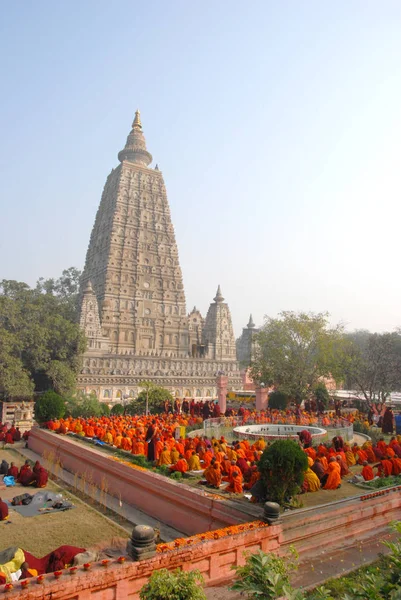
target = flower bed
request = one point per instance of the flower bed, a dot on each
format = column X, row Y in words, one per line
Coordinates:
column 210, row 535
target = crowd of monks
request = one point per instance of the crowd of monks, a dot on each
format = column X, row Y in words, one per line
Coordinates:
column 25, row 475
column 9, row 434
column 235, row 464
column 328, row 465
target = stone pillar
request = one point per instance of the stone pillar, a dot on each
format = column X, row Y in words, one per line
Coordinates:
column 222, row 383
column 271, row 513
column 142, row 545
column 261, row 398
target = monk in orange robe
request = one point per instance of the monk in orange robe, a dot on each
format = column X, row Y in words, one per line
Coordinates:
column 165, row 457
column 367, row 472
column 194, row 462
column 385, row 468
column 334, row 479
column 181, row 465
column 236, row 485
column 396, row 462
column 213, row 476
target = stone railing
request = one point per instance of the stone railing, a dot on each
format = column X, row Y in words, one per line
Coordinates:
column 223, row 426
column 213, row 558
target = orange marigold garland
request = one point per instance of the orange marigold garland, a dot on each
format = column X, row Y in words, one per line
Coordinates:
column 210, row 535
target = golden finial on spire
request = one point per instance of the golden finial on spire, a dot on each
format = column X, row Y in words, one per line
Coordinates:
column 137, row 121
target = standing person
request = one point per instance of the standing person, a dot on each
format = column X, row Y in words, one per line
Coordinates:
column 150, row 440
column 387, row 422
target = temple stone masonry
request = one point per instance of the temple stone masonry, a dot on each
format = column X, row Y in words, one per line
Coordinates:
column 133, row 309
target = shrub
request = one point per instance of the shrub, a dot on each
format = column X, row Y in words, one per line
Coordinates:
column 282, row 467
column 49, row 406
column 176, row 475
column 117, row 409
column 176, row 585
column 265, row 576
column 278, row 400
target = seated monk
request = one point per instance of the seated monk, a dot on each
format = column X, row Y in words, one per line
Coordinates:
column 255, row 476
column 318, row 469
column 13, row 471
column 385, row 468
column 194, row 462
column 36, row 466
column 3, row 510
column 181, row 465
column 367, row 472
column 41, row 477
column 235, row 486
column 207, row 458
column 361, row 456
column 165, row 457
column 213, row 474
column 349, row 456
column 334, row 479
column 26, row 476
column 396, row 462
column 27, row 572
column 174, row 455
column 343, row 466
column 311, row 481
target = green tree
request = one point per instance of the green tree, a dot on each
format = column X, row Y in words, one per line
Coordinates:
column 372, row 363
column 150, row 399
column 278, row 400
column 294, row 351
column 321, row 394
column 85, row 406
column 49, row 406
column 282, row 467
column 40, row 342
column 117, row 409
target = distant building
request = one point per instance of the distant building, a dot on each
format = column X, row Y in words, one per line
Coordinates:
column 246, row 344
column 133, row 308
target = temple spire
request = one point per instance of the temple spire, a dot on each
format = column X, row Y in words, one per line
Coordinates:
column 135, row 150
column 137, row 121
column 251, row 324
column 219, row 295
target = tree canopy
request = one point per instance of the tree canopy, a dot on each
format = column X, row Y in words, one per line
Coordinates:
column 295, row 350
column 49, row 406
column 40, row 340
column 84, row 405
column 372, row 363
column 156, row 395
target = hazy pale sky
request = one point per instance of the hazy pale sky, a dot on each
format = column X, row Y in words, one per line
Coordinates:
column 277, row 126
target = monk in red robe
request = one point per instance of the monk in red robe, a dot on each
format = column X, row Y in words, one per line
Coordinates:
column 3, row 510
column 13, row 471
column 41, row 477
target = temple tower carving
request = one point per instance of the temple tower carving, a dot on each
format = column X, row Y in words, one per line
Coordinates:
column 132, row 292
